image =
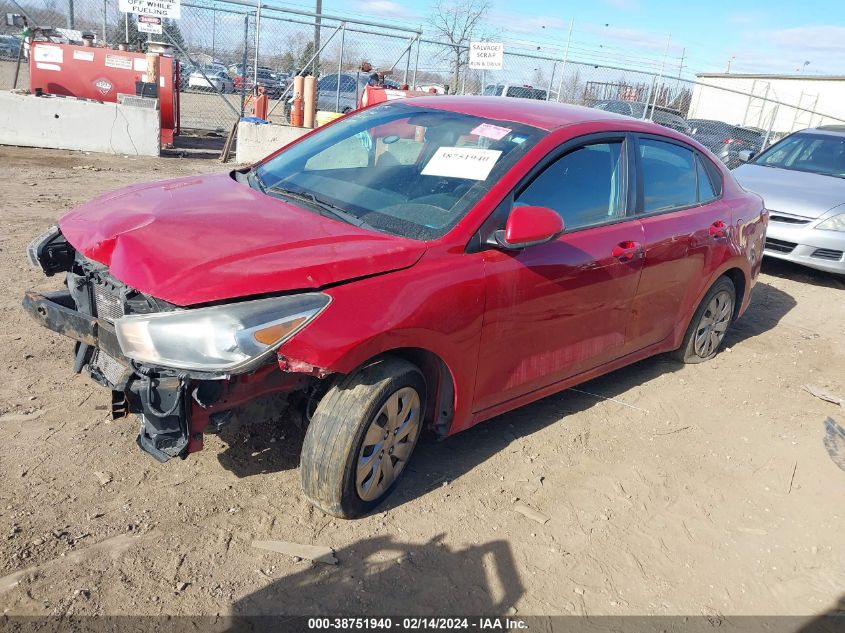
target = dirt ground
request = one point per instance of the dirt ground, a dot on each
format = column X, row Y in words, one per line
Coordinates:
column 669, row 489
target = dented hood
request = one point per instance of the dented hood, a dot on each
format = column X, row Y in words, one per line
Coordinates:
column 209, row 238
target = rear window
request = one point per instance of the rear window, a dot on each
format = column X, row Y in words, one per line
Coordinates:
column 522, row 92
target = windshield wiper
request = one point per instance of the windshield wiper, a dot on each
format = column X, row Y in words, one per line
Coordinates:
column 324, row 205
column 255, row 181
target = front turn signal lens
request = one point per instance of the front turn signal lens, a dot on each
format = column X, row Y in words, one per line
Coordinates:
column 278, row 332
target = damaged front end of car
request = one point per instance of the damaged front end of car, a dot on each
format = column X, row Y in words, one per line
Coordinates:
column 183, row 371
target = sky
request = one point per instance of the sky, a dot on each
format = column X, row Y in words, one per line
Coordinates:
column 775, row 36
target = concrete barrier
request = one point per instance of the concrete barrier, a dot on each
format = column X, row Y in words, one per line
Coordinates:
column 255, row 140
column 67, row 123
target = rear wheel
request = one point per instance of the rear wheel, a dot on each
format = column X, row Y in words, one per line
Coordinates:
column 362, row 436
column 709, row 324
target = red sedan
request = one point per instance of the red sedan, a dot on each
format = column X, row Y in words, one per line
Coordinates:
column 424, row 264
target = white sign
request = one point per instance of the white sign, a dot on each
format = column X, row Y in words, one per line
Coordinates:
column 149, row 24
column 462, row 162
column 171, row 9
column 485, row 55
column 48, row 53
column 119, row 61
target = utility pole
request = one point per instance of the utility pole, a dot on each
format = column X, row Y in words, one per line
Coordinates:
column 565, row 59
column 257, row 45
column 654, row 87
column 70, row 19
column 680, row 69
column 318, row 9
column 105, row 13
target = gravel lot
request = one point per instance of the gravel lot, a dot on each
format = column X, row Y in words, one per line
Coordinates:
column 672, row 490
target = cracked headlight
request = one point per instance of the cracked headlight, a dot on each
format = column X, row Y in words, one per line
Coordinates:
column 836, row 223
column 231, row 338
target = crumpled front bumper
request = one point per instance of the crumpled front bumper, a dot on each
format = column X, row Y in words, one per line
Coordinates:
column 174, row 409
column 160, row 401
column 56, row 311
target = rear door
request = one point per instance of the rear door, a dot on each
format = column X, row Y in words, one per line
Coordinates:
column 685, row 224
column 561, row 308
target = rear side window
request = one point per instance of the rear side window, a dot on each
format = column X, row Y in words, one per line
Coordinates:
column 584, row 186
column 347, row 83
column 668, row 175
column 328, row 83
column 706, row 191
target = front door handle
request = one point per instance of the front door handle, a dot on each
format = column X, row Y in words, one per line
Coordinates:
column 718, row 229
column 626, row 251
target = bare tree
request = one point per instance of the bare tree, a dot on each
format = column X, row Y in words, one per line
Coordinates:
column 456, row 22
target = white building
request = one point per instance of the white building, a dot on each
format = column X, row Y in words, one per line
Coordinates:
column 780, row 103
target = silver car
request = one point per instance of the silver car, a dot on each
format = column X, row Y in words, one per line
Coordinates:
column 802, row 181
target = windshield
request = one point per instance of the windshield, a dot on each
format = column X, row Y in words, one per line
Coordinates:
column 400, row 169
column 816, row 153
column 493, row 91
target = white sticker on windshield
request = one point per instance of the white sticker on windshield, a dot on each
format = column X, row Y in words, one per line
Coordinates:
column 462, row 162
column 488, row 130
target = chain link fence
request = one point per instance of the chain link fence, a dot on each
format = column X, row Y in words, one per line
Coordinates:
column 252, row 43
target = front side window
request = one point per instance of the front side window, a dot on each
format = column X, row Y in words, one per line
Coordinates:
column 668, row 176
column 401, row 169
column 584, row 186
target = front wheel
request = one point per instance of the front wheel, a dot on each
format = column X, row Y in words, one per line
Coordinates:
column 361, row 437
column 709, row 324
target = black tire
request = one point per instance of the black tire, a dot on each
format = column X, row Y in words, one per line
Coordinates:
column 336, row 436
column 690, row 351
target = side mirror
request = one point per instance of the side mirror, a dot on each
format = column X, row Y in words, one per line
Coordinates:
column 745, row 155
column 529, row 226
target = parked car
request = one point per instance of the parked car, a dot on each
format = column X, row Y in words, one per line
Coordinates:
column 424, row 264
column 520, row 92
column 439, row 89
column 802, row 180
column 185, row 72
column 726, row 141
column 211, row 79
column 273, row 84
column 10, row 46
column 663, row 116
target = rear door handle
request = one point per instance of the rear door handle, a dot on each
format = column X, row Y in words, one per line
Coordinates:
column 718, row 229
column 627, row 250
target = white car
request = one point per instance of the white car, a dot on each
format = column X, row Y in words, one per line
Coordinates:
column 802, row 180
column 217, row 80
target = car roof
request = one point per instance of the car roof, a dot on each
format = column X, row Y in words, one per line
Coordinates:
column 833, row 130
column 546, row 115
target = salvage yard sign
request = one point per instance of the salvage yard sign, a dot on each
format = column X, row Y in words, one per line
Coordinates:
column 485, row 55
column 170, row 9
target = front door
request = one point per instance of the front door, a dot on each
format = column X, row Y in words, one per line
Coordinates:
column 561, row 308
